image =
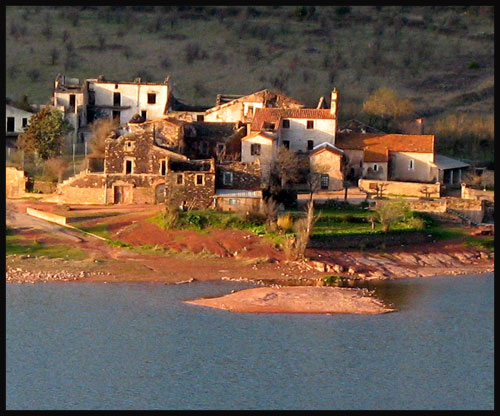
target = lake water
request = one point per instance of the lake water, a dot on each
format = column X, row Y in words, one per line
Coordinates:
column 137, row 346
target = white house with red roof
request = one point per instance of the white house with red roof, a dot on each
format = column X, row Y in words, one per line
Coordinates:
column 298, row 129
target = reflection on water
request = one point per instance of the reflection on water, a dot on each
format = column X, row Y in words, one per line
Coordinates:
column 138, row 346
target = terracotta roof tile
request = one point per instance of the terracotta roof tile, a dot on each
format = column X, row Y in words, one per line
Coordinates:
column 269, row 118
column 376, row 153
column 423, row 143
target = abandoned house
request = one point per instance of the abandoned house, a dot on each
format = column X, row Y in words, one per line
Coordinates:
column 234, row 108
column 133, row 172
column 83, row 102
column 16, row 119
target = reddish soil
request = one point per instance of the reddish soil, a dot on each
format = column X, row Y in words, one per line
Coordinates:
column 210, row 255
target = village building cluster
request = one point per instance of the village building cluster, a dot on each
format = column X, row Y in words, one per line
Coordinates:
column 221, row 157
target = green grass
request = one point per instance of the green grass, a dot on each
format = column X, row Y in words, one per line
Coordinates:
column 16, row 245
column 100, row 229
column 487, row 243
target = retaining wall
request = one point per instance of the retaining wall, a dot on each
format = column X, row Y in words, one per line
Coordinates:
column 409, row 189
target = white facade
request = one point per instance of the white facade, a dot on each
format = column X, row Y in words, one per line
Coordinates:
column 16, row 119
column 260, row 146
column 300, row 138
column 128, row 99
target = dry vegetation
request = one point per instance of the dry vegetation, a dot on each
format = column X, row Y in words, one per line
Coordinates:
column 441, row 58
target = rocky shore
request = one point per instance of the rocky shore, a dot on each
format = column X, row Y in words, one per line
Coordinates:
column 20, row 275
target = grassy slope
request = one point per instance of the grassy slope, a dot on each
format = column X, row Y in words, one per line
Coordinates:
column 427, row 61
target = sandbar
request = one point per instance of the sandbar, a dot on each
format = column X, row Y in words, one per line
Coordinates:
column 298, row 299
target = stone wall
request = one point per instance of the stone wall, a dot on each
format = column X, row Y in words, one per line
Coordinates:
column 47, row 216
column 409, row 189
column 370, row 241
column 438, row 205
column 15, row 182
column 244, row 175
column 188, row 192
column 477, row 194
column 44, row 187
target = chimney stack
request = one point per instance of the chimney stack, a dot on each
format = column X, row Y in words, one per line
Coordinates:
column 333, row 104
column 420, row 123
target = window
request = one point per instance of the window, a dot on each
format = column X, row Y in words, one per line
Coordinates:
column 128, row 167
column 310, row 144
column 286, row 124
column 72, row 101
column 375, row 167
column 255, row 149
column 117, row 98
column 163, row 167
column 25, row 122
column 151, row 98
column 325, row 181
column 234, row 201
column 411, row 165
column 116, row 115
column 144, row 114
column 227, row 178
column 10, row 123
column 286, row 143
column 310, row 124
column 200, row 179
column 200, row 117
column 116, row 86
column 180, row 179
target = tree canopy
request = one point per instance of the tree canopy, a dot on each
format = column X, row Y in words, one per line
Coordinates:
column 45, row 133
column 386, row 108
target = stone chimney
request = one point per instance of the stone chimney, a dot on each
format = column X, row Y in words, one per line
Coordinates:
column 333, row 104
column 420, row 124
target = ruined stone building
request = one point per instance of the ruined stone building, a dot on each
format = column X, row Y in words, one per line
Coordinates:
column 234, row 108
column 84, row 101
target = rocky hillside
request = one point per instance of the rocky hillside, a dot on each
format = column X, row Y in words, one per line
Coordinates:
column 439, row 57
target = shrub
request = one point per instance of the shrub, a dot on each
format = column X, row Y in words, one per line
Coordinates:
column 390, row 212
column 416, row 223
column 55, row 169
column 196, row 220
column 332, row 280
column 285, row 222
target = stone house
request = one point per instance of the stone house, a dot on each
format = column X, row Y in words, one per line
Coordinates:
column 327, row 162
column 134, row 172
column 217, row 140
column 234, row 108
column 190, row 183
column 16, row 119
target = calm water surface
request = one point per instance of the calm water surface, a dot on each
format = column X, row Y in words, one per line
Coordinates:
column 137, row 346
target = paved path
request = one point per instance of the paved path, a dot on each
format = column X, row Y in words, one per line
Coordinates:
column 20, row 220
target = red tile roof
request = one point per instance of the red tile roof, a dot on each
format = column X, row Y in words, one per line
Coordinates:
column 423, row 143
column 264, row 117
column 376, row 153
column 258, row 133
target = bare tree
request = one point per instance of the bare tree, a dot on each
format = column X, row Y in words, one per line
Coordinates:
column 101, row 130
column 286, row 166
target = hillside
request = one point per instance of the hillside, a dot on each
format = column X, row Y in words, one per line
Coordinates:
column 439, row 57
